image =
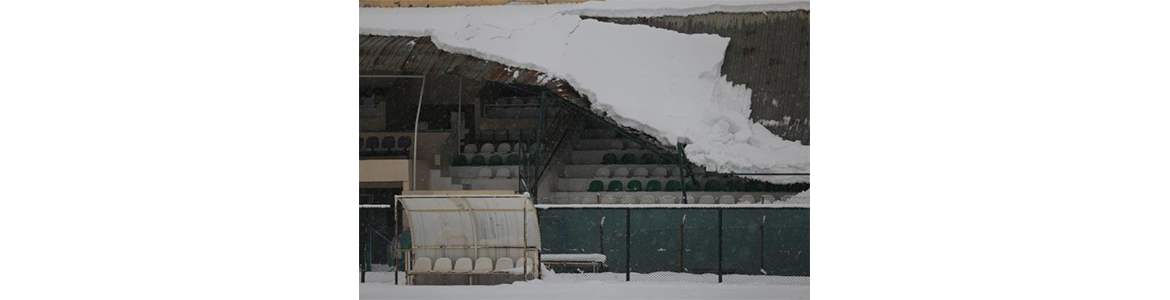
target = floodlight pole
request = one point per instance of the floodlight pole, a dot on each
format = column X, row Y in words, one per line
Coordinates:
column 417, row 141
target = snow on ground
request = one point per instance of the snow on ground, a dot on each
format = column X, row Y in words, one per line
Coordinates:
column 584, row 290
column 658, row 285
column 664, row 83
column 576, row 257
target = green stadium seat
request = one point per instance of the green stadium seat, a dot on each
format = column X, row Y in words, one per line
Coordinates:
column 673, row 186
column 496, row 160
column 712, row 186
column 459, row 161
column 732, row 186
column 666, row 160
column 692, row 186
column 609, row 159
column 647, row 159
column 477, row 160
column 752, row 186
column 596, row 186
column 615, row 186
column 513, row 159
column 629, row 159
column 654, row 186
column 634, row 186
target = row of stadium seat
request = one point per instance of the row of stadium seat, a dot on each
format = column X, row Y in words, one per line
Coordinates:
column 675, row 186
column 636, row 186
column 620, row 172
column 501, row 173
column 631, row 159
column 666, row 199
column 513, row 101
column 480, row 160
column 504, row 135
column 463, row 265
column 385, row 145
column 489, row 148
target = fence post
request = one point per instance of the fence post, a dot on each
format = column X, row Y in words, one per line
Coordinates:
column 601, row 235
column 394, row 238
column 369, row 249
column 720, row 244
column 763, row 218
column 682, row 244
column 627, row 244
column 682, row 176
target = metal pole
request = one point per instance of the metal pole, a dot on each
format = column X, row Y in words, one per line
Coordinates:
column 627, row 244
column 459, row 120
column 682, row 177
column 524, row 252
column 369, row 249
column 394, row 241
column 414, row 160
column 720, row 245
column 539, row 128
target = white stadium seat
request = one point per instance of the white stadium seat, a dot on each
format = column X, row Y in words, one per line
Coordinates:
column 641, row 172
column 646, row 200
column 485, row 173
column 629, row 199
column 504, row 148
column 621, row 172
column 747, row 199
column 422, row 264
column 667, row 200
column 443, row 264
column 659, row 172
column 487, row 148
column 602, row 172
column 674, row 172
column 767, row 199
column 504, row 172
column 470, row 149
column 483, row 265
column 504, row 263
column 707, row 199
column 521, row 263
column 609, row 199
column 727, row 199
column 462, row 265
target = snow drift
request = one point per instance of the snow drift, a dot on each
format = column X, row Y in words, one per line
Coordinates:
column 664, row 83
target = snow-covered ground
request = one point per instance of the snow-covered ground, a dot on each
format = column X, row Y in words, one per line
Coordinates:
column 664, row 83
column 585, row 290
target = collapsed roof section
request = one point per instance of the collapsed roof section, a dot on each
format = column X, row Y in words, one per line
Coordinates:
column 661, row 82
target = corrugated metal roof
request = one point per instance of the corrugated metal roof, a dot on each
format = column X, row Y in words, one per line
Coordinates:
column 768, row 52
column 451, row 224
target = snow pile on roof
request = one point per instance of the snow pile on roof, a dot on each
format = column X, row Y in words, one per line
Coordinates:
column 664, row 83
column 644, row 8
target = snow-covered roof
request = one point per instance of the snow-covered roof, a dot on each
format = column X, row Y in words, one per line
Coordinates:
column 661, row 82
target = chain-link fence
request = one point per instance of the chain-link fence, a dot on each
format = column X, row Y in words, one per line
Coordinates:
column 637, row 243
column 710, row 244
